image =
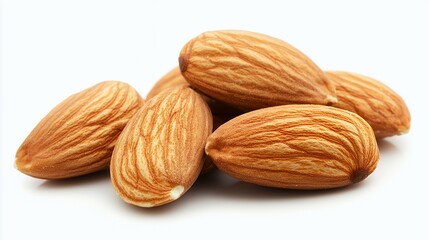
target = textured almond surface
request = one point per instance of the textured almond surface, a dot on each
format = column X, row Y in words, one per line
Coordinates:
column 159, row 154
column 77, row 136
column 221, row 112
column 379, row 105
column 251, row 70
column 295, row 146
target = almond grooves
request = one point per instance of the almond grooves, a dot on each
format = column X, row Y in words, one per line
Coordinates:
column 77, row 136
column 251, row 70
column 295, row 146
column 379, row 105
column 159, row 154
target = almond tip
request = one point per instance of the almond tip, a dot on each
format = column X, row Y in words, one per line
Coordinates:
column 359, row 175
column 183, row 62
column 14, row 164
column 176, row 192
column 404, row 131
column 331, row 99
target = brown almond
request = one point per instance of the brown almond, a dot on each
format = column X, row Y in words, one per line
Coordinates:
column 295, row 146
column 77, row 136
column 379, row 105
column 159, row 154
column 251, row 70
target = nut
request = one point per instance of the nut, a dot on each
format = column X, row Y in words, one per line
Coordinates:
column 379, row 105
column 159, row 154
column 295, row 146
column 250, row 71
column 77, row 136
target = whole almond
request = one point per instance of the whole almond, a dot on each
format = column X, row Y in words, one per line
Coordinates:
column 251, row 70
column 159, row 154
column 295, row 146
column 379, row 105
column 77, row 136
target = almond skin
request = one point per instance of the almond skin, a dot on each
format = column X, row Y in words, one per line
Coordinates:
column 159, row 154
column 296, row 147
column 77, row 136
column 379, row 105
column 221, row 111
column 251, row 70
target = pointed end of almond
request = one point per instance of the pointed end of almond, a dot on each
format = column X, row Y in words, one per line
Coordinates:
column 359, row 175
column 207, row 147
column 331, row 99
column 404, row 130
column 14, row 164
column 212, row 147
column 145, row 204
column 185, row 55
column 25, row 164
column 183, row 61
column 176, row 192
column 22, row 162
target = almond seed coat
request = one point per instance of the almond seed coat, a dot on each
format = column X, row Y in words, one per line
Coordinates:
column 375, row 102
column 159, row 154
column 251, row 70
column 77, row 136
column 295, row 146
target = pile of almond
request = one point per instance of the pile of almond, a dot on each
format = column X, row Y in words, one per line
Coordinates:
column 249, row 104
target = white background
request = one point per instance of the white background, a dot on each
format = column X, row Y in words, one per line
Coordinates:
column 51, row 49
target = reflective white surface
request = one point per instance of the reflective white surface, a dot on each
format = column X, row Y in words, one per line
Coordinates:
column 51, row 49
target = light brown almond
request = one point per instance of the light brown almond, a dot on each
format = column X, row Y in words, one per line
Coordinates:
column 159, row 154
column 379, row 105
column 251, row 70
column 295, row 146
column 77, row 136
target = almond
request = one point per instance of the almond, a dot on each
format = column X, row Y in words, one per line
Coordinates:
column 296, row 146
column 159, row 154
column 379, row 105
column 251, row 70
column 77, row 136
